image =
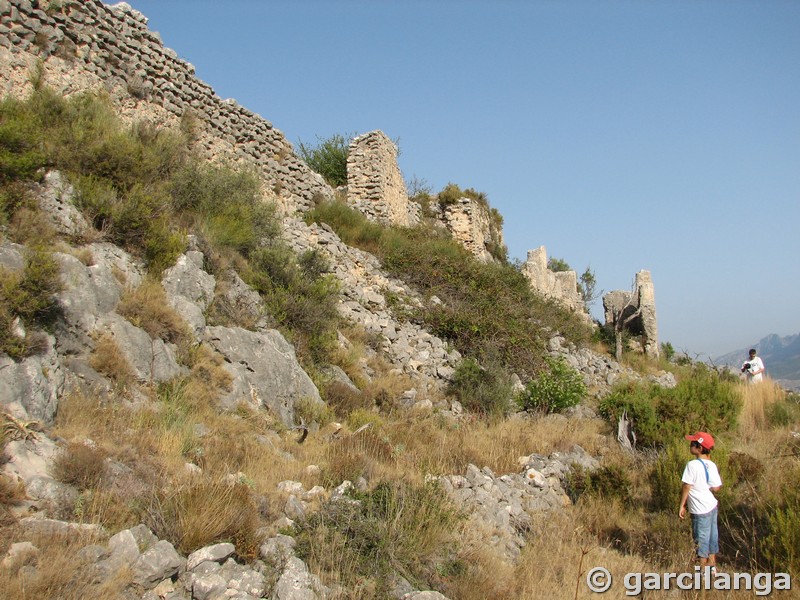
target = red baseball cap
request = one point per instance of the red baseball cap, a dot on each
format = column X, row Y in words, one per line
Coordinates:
column 702, row 438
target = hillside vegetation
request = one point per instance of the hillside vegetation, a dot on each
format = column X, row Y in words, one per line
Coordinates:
column 141, row 188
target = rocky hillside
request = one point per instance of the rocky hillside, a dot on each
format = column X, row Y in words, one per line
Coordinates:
column 188, row 361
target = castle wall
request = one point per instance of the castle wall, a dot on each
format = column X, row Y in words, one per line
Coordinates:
column 88, row 45
column 470, row 223
column 561, row 286
column 375, row 184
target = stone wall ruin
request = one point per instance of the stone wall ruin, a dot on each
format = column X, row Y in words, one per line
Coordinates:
column 635, row 312
column 89, row 45
column 561, row 286
column 376, row 188
column 375, row 184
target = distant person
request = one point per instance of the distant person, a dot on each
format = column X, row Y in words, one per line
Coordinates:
column 700, row 478
column 753, row 368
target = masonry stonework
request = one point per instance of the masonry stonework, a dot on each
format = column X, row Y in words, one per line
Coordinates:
column 87, row 45
column 561, row 286
column 470, row 223
column 636, row 310
column 375, row 184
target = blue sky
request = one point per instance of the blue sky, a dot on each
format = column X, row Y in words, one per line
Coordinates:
column 621, row 135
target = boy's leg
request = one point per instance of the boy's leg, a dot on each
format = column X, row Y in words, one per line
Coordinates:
column 701, row 533
column 713, row 539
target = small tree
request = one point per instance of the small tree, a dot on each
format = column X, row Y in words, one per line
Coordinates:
column 328, row 157
column 558, row 265
column 587, row 286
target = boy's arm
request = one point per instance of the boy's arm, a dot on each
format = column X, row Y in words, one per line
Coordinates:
column 684, row 495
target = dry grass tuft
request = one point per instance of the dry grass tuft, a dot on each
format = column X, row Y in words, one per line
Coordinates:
column 365, row 454
column 81, row 465
column 440, row 446
column 146, row 306
column 107, row 358
column 209, row 378
column 557, row 557
column 11, row 492
column 206, row 512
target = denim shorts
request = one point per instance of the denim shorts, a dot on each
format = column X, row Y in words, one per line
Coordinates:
column 705, row 533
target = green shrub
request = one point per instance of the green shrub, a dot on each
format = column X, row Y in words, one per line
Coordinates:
column 29, row 295
column 783, row 413
column 484, row 390
column 299, row 298
column 558, row 265
column 328, row 157
column 138, row 219
column 35, row 297
column 780, row 543
column 555, row 389
column 241, row 222
column 21, row 154
column 702, row 401
column 450, row 194
column 89, row 138
column 665, row 476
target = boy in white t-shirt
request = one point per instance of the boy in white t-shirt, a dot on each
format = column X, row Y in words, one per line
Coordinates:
column 701, row 478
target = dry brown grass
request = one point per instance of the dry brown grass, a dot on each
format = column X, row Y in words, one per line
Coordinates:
column 31, row 227
column 82, row 416
column 206, row 511
column 757, row 401
column 57, row 571
column 107, row 358
column 439, row 446
column 80, row 464
column 146, row 306
column 12, row 493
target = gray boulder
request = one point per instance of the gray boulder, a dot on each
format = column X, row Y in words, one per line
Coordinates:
column 159, row 562
column 296, row 583
column 216, row 553
column 189, row 289
column 265, row 370
column 55, row 200
column 30, row 389
column 151, row 359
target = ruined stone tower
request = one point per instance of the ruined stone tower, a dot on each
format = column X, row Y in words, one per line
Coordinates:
column 636, row 310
